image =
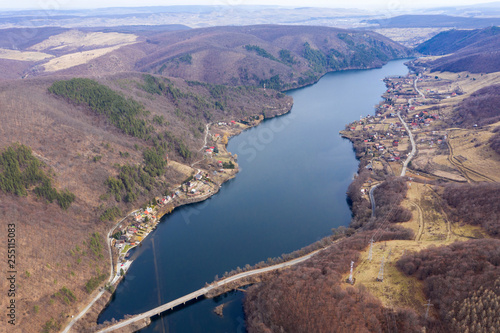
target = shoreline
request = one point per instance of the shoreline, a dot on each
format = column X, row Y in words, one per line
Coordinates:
column 239, row 131
column 168, row 209
column 339, row 71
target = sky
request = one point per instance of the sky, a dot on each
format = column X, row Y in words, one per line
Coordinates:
column 365, row 4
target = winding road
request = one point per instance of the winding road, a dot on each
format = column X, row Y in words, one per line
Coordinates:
column 412, row 140
column 372, row 199
column 416, row 88
column 110, row 279
column 413, row 146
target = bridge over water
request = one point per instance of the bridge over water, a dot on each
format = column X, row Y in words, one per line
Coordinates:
column 203, row 291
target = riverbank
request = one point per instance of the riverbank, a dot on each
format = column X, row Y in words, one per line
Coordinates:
column 218, row 234
column 409, row 132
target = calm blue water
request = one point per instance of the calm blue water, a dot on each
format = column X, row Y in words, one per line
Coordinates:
column 290, row 192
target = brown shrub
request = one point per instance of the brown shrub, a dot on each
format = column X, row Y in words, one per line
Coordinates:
column 452, row 274
column 475, row 204
column 481, row 108
column 310, row 298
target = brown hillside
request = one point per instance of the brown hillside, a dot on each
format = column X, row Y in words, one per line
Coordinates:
column 481, row 108
column 279, row 56
column 475, row 51
column 219, row 55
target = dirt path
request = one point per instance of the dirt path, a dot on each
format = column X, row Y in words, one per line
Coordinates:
column 462, row 168
column 372, row 199
column 206, row 137
column 420, row 221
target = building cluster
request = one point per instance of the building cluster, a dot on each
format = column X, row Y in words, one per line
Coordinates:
column 384, row 135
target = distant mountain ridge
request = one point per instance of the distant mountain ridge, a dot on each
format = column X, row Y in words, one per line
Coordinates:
column 453, row 40
column 434, row 21
column 279, row 57
column 476, row 51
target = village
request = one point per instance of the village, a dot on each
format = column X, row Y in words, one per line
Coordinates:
column 382, row 140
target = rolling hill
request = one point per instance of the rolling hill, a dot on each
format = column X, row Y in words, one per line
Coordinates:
column 476, row 51
column 279, row 57
column 451, row 41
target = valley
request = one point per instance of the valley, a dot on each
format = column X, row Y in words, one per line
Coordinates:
column 122, row 129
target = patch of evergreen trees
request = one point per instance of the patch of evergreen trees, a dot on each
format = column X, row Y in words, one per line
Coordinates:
column 20, row 172
column 260, row 52
column 121, row 112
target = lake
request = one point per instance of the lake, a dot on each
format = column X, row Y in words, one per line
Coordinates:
column 290, row 192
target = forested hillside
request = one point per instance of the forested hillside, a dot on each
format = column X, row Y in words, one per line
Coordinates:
column 279, row 57
column 474, row 204
column 451, row 41
column 21, row 173
column 480, row 108
column 466, row 290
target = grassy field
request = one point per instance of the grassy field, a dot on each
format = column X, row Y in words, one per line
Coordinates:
column 23, row 56
column 78, row 58
column 74, row 39
column 472, row 154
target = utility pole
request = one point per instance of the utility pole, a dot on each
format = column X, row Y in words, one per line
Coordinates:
column 350, row 280
column 389, row 255
column 428, row 305
column 380, row 277
column 370, row 253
